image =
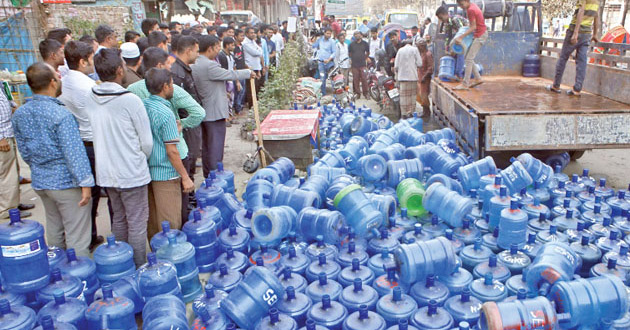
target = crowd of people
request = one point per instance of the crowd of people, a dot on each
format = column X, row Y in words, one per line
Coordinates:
column 129, row 119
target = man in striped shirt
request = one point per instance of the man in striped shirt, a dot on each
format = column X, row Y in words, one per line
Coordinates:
column 582, row 30
column 168, row 174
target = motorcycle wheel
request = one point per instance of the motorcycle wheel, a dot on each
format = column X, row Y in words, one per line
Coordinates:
column 375, row 93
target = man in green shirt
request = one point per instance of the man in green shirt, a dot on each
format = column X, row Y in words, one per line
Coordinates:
column 154, row 57
column 168, row 174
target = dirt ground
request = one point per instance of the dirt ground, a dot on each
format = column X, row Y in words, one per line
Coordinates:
column 611, row 164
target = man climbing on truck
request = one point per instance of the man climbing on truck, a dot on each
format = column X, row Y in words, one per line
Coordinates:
column 479, row 31
column 582, row 30
column 452, row 24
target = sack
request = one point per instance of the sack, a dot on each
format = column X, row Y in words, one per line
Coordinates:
column 495, row 8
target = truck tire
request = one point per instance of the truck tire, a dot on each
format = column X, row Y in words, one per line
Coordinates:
column 576, row 154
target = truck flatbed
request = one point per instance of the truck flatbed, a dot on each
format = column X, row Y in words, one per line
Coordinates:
column 520, row 95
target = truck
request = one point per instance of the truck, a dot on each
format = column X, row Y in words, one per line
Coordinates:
column 509, row 112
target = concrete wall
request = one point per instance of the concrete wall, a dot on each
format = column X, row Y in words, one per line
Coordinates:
column 119, row 14
column 606, row 81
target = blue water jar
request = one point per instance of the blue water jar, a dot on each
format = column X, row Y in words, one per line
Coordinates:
column 488, row 289
column 321, row 265
column 182, row 256
column 56, row 256
column 209, row 320
column 377, row 261
column 328, row 313
column 157, row 277
column 276, row 321
column 290, row 279
column 463, row 307
column 211, row 298
column 164, row 312
column 446, row 204
column 68, row 310
column 355, row 148
column 515, row 177
column 423, row 292
column 467, row 234
column 512, row 227
column 323, row 286
column 470, row 174
column 398, row 170
column 419, row 259
column 119, row 311
column 295, row 305
column 395, row 151
column 432, row 317
column 535, row 209
column 257, row 192
column 23, row 261
column 514, row 259
column 201, row 233
column 371, row 168
column 226, row 175
column 457, row 281
column 589, row 253
column 273, row 224
column 474, row 254
column 498, row 270
column 16, row 317
column 47, row 323
column 295, row 198
column 319, row 246
column 234, row 260
column 330, row 224
column 70, row 285
column 349, row 252
column 84, row 269
column 363, row 319
column 539, row 171
column 359, row 212
column 535, row 313
column 496, row 205
column 317, row 184
column 554, row 262
column 396, row 306
column 225, row 279
column 356, row 271
column 297, row 260
column 161, row 238
column 357, row 294
column 235, row 238
column 417, row 234
column 448, row 182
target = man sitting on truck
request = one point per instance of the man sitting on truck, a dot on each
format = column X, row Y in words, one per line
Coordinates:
column 480, row 34
column 452, row 24
column 582, row 30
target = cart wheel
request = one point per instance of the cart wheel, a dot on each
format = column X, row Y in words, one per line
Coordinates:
column 577, row 154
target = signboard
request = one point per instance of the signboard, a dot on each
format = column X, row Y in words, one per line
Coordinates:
column 295, row 10
column 290, row 124
column 344, row 7
column 292, row 24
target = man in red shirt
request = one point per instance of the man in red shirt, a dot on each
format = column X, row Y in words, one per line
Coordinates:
column 477, row 28
column 334, row 25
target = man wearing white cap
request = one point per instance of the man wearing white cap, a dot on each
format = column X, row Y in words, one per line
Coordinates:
column 131, row 54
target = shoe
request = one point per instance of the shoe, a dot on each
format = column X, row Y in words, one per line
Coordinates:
column 551, row 88
column 25, row 214
column 96, row 241
column 228, row 124
column 25, row 180
column 24, row 207
column 573, row 93
column 461, row 87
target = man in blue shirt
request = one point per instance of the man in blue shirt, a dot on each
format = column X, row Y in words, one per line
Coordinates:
column 326, row 49
column 364, row 29
column 48, row 138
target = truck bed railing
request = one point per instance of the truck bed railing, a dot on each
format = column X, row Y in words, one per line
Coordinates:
column 526, row 17
column 601, row 53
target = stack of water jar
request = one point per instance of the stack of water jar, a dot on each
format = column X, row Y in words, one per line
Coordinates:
column 393, row 228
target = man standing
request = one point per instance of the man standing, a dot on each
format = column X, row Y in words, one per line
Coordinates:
column 9, row 172
column 76, row 89
column 210, row 79
column 122, row 144
column 52, row 53
column 168, row 174
column 450, row 26
column 582, row 30
column 149, row 25
column 239, row 64
column 342, row 59
column 359, row 51
column 226, row 60
column 326, row 51
column 406, row 64
column 285, row 33
column 273, row 51
column 425, row 72
column 48, row 138
column 131, row 54
column 391, row 50
column 480, row 34
column 253, row 57
column 334, row 25
column 106, row 37
column 364, row 29
column 279, row 41
column 375, row 44
column 159, row 40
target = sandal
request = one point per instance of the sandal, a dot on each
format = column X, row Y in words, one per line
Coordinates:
column 551, row 88
column 573, row 93
column 476, row 83
column 461, row 87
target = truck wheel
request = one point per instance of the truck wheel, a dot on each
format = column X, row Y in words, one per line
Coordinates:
column 577, row 154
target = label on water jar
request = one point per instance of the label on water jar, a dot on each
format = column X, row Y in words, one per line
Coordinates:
column 270, row 297
column 448, row 146
column 20, row 250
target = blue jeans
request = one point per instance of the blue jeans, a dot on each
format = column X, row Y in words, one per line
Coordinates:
column 323, row 73
column 581, row 49
column 239, row 98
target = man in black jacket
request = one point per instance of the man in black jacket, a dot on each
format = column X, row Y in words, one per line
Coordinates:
column 186, row 52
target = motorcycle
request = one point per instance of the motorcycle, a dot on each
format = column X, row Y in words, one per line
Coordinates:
column 383, row 89
column 341, row 92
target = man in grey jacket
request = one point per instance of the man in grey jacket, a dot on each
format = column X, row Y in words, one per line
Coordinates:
column 123, row 142
column 210, row 80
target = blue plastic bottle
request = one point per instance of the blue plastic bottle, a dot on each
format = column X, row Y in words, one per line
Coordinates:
column 463, row 307
column 210, row 320
column 622, row 256
column 213, row 181
column 603, row 229
column 321, row 265
column 410, row 138
column 551, row 235
column 539, row 171
column 16, row 317
column 13, row 298
column 56, row 256
column 235, row 238
column 385, row 283
column 575, row 186
column 417, row 234
column 257, row 192
column 126, row 287
column 539, row 224
column 514, row 259
column 474, row 254
column 488, row 289
column 356, row 271
column 157, row 277
column 456, row 243
column 252, row 297
column 467, row 234
column 284, row 167
column 386, row 204
column 161, row 238
column 347, row 255
column 335, row 187
column 312, row 222
column 575, row 235
column 423, row 292
column 70, row 285
column 470, row 174
column 398, row 170
column 273, row 224
column 590, row 301
column 234, row 260
column 47, row 323
column 490, row 190
column 396, row 306
column 446, row 204
column 608, row 268
column 290, row 279
column 534, row 210
column 610, row 243
column 496, row 205
column 541, row 193
column 319, row 246
column 296, row 260
column 23, row 261
column 227, row 205
column 517, row 287
column 277, row 321
column 595, row 217
column 317, row 184
column 164, row 312
column 226, row 175
column 225, row 279
column 619, row 203
column 359, row 212
column 448, row 182
column 489, row 240
column 323, row 286
column 120, row 311
column 395, row 151
column 358, row 294
column 327, row 313
column 377, row 261
column 432, row 317
column 84, row 269
column 383, row 242
column 211, row 298
column 182, row 256
column 457, row 281
column 498, row 270
column 371, row 168
column 515, row 177
column 523, row 198
column 555, row 262
column 364, row 319
column 201, row 233
column 330, row 173
column 295, row 305
column 536, row 313
column 311, row 325
column 67, row 310
column 512, row 227
column 419, row 259
column 295, row 198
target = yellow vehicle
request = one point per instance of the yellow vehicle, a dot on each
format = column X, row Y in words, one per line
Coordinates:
column 406, row 18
